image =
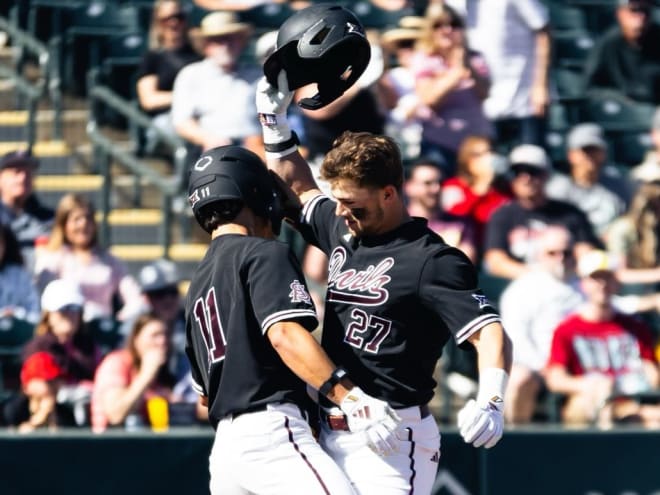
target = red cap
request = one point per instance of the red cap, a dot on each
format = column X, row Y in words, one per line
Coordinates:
column 40, row 365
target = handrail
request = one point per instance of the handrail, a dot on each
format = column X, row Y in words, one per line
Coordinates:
column 49, row 78
column 104, row 149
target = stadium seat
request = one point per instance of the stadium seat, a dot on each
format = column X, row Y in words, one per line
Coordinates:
column 570, row 50
column 629, row 148
column 376, row 18
column 267, row 16
column 615, row 112
column 14, row 334
column 566, row 18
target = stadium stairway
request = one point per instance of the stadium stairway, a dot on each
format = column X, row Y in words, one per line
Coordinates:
column 67, row 165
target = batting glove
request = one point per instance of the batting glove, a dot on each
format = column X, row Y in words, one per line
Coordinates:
column 481, row 422
column 373, row 416
column 272, row 104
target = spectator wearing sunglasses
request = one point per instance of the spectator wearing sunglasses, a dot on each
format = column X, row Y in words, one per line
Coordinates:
column 626, row 60
column 513, row 228
column 170, row 51
column 451, row 81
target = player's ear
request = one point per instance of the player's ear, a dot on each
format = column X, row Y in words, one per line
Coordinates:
column 388, row 193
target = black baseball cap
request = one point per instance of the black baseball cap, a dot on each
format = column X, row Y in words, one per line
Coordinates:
column 18, row 157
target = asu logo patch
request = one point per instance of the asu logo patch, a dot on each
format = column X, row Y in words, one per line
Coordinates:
column 299, row 293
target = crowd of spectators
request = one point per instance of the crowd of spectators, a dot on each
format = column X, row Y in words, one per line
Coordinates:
column 465, row 89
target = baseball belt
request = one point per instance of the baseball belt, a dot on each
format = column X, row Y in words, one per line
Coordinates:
column 338, row 422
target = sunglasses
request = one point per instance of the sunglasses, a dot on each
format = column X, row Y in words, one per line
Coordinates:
column 455, row 24
column 639, row 9
column 405, row 44
column 530, row 170
column 178, row 16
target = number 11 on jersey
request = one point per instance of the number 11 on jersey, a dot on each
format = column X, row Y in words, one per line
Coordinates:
column 208, row 320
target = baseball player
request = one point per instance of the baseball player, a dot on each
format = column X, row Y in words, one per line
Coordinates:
column 396, row 293
column 248, row 317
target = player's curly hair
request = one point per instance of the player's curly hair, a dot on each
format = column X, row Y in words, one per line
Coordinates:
column 212, row 215
column 367, row 159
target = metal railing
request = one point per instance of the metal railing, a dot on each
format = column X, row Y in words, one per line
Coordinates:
column 105, row 150
column 48, row 80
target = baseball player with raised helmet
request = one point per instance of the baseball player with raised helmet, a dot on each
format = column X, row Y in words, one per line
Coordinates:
column 248, row 322
column 396, row 293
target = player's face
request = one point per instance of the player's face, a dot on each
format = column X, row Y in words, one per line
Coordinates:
column 360, row 207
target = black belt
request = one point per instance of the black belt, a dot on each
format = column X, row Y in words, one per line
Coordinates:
column 338, row 422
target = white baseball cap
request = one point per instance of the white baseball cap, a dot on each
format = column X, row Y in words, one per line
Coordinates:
column 61, row 293
column 595, row 261
column 530, row 154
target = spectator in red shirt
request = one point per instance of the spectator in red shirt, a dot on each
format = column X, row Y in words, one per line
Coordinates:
column 473, row 192
column 600, row 359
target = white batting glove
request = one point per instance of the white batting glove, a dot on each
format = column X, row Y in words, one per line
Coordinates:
column 272, row 104
column 373, row 416
column 481, row 422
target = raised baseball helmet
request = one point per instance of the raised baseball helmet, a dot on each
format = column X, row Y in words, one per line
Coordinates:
column 234, row 173
column 323, row 44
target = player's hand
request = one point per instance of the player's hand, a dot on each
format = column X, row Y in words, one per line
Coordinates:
column 373, row 416
column 481, row 425
column 270, row 100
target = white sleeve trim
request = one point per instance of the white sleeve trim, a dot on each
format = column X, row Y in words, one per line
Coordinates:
column 309, row 205
column 197, row 387
column 475, row 325
column 288, row 314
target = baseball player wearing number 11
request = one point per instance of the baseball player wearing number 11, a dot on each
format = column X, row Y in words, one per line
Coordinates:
column 248, row 317
column 396, row 293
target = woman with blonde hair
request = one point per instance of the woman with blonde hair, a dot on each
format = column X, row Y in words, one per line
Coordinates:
column 634, row 238
column 452, row 81
column 73, row 253
column 170, row 51
column 127, row 378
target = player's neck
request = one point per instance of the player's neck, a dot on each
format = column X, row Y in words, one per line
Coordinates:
column 230, row 228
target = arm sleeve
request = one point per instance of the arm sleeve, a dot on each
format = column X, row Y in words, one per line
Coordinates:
column 147, row 66
column 496, row 231
column 449, row 288
column 276, row 281
column 318, row 214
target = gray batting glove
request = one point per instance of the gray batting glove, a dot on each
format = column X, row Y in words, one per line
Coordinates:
column 481, row 425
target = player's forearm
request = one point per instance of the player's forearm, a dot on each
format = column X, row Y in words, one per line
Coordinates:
column 304, row 356
column 494, row 348
column 294, row 171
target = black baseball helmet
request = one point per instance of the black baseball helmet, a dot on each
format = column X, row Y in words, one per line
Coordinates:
column 234, row 173
column 323, row 44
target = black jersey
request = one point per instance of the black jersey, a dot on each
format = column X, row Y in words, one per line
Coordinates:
column 392, row 303
column 242, row 286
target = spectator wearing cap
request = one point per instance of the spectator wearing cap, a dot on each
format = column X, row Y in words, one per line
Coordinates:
column 513, row 228
column 649, row 169
column 61, row 333
column 597, row 189
column 212, row 103
column 36, row 406
column 598, row 354
column 626, row 60
column 19, row 206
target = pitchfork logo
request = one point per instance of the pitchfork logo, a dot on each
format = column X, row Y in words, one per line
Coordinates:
column 299, row 293
column 482, row 300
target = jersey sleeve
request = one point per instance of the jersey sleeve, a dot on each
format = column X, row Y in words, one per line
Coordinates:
column 318, row 214
column 449, row 288
column 197, row 377
column 277, row 287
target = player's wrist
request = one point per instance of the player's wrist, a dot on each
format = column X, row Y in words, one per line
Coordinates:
column 492, row 386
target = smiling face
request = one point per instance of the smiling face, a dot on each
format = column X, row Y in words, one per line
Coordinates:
column 362, row 208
